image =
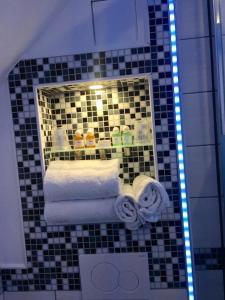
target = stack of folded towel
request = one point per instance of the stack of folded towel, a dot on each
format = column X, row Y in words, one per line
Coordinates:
column 142, row 202
column 80, row 192
column 68, row 183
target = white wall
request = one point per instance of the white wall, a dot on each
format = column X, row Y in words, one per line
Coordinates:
column 199, row 138
column 21, row 22
column 72, row 31
column 30, row 29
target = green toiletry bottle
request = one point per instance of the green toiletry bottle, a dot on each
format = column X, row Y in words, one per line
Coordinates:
column 127, row 137
column 116, row 137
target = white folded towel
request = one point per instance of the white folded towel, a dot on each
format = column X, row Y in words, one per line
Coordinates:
column 150, row 196
column 81, row 180
column 80, row 212
column 126, row 209
column 85, row 164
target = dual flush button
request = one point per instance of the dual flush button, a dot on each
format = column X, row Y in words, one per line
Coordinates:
column 126, row 280
column 113, row 276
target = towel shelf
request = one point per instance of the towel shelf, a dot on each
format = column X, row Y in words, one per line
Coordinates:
column 89, row 150
column 140, row 158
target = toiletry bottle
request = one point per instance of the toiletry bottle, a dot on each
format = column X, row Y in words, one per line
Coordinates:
column 90, row 138
column 127, row 136
column 141, row 131
column 116, row 137
column 78, row 140
column 60, row 139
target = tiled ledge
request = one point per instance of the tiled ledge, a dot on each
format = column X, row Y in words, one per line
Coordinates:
column 171, row 294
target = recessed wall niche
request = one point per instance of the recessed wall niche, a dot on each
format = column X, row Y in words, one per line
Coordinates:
column 118, row 102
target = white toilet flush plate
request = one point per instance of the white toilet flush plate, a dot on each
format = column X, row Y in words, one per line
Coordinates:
column 119, row 276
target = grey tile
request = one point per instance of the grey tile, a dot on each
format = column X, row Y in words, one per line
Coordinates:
column 192, row 18
column 201, row 171
column 209, row 285
column 29, row 295
column 173, row 294
column 198, row 120
column 167, row 294
column 222, row 7
column 223, row 41
column 205, row 225
column 68, row 295
column 194, row 63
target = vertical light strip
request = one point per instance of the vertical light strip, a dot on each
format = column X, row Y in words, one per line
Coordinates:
column 181, row 169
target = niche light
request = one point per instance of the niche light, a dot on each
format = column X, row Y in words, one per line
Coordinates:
column 95, row 87
column 181, row 167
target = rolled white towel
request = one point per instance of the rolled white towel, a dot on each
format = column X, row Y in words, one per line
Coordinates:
column 80, row 212
column 150, row 196
column 126, row 209
column 134, row 225
column 83, row 180
column 148, row 217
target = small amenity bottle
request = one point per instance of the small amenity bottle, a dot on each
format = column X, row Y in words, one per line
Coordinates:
column 116, row 137
column 60, row 139
column 78, row 140
column 90, row 138
column 127, row 136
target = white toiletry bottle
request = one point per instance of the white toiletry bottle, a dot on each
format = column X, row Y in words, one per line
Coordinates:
column 60, row 139
column 141, row 131
column 116, row 137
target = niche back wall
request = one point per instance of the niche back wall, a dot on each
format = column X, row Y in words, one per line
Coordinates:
column 119, row 103
column 52, row 251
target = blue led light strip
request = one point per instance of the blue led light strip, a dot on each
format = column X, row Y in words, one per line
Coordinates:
column 181, row 170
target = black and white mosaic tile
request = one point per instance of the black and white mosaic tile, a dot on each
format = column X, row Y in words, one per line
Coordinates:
column 52, row 251
column 1, row 287
column 119, row 103
column 209, row 259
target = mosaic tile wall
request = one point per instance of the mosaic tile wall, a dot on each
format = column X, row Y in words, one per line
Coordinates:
column 52, row 251
column 120, row 103
column 1, row 287
column 110, row 107
column 45, row 118
column 209, row 259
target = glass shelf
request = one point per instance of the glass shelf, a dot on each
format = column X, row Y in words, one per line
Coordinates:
column 99, row 148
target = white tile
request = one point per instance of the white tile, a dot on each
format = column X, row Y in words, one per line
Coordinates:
column 201, row 171
column 29, row 295
column 209, row 285
column 192, row 18
column 197, row 116
column 68, row 295
column 168, row 294
column 194, row 64
column 205, row 225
